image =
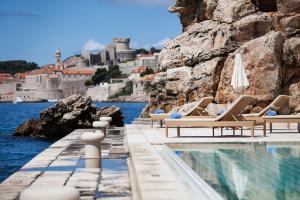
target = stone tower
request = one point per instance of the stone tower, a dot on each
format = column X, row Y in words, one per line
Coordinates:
column 58, row 63
column 122, row 44
column 122, row 49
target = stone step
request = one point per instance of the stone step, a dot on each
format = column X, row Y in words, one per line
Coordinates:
column 143, row 123
column 142, row 119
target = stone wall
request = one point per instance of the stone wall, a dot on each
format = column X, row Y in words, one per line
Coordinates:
column 103, row 91
column 199, row 62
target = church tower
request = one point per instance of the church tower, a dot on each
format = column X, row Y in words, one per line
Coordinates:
column 58, row 63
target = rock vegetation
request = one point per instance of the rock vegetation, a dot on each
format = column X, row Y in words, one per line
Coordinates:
column 199, row 62
column 72, row 113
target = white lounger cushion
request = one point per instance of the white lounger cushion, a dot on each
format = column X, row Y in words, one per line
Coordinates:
column 193, row 119
column 252, row 115
column 282, row 117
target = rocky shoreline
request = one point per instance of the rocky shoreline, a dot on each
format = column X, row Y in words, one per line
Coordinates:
column 199, row 62
column 72, row 113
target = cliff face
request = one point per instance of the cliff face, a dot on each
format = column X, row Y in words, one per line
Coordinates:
column 199, row 62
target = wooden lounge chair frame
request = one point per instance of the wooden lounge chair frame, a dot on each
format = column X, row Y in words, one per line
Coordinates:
column 276, row 105
column 231, row 118
column 282, row 119
column 198, row 110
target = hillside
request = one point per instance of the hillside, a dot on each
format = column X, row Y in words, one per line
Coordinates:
column 16, row 66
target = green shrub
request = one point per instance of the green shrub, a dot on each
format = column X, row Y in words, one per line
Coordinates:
column 125, row 91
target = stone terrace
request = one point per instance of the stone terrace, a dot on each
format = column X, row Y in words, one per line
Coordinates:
column 63, row 164
column 154, row 178
column 150, row 176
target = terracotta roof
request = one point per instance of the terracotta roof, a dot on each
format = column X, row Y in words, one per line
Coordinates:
column 5, row 76
column 139, row 70
column 149, row 77
column 9, row 93
column 20, row 75
column 78, row 72
column 41, row 71
column 48, row 66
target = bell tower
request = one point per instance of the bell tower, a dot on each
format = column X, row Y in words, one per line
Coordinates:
column 58, row 63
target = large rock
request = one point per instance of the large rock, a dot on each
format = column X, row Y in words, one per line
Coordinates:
column 202, row 42
column 261, row 59
column 199, row 62
column 253, row 26
column 290, row 25
column 288, row 5
column 193, row 11
column 291, row 52
column 207, row 76
column 70, row 114
column 232, row 10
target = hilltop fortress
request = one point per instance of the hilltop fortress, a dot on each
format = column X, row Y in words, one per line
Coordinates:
column 118, row 51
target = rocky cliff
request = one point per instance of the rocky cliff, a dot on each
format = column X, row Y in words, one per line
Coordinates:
column 72, row 113
column 199, row 62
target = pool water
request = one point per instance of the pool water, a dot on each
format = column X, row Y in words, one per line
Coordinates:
column 248, row 171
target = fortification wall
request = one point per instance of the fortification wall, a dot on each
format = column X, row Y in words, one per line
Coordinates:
column 72, row 87
column 103, row 91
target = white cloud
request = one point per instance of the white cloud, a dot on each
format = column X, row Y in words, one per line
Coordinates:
column 145, row 2
column 135, row 45
column 160, row 44
column 92, row 45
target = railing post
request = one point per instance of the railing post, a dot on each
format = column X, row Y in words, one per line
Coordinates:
column 92, row 148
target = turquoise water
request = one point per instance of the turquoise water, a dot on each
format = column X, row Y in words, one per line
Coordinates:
column 16, row 151
column 130, row 110
column 248, row 171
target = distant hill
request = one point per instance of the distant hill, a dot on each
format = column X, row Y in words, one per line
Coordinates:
column 16, row 66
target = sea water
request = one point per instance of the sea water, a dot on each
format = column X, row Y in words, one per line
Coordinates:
column 17, row 151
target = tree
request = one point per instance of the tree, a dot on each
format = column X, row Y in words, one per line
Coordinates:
column 88, row 82
column 100, row 76
column 125, row 91
column 141, row 51
column 147, row 72
column 147, row 87
column 114, row 71
column 17, row 66
column 154, row 50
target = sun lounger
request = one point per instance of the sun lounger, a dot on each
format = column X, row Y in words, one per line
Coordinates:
column 196, row 108
column 282, row 119
column 230, row 118
column 276, row 105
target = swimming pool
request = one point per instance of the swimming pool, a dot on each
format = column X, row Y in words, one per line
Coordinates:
column 246, row 170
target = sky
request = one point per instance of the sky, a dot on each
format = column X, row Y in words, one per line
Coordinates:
column 32, row 30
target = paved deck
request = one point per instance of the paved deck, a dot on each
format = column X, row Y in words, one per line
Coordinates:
column 153, row 177
column 150, row 176
column 62, row 164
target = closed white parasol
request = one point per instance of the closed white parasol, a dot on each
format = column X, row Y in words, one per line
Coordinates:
column 239, row 79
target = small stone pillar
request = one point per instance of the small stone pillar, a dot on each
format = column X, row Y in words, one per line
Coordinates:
column 50, row 193
column 92, row 148
column 101, row 125
column 106, row 119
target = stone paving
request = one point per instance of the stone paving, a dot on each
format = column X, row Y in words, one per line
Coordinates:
column 153, row 177
column 142, row 175
column 62, row 164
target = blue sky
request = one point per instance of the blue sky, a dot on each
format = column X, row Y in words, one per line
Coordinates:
column 33, row 29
